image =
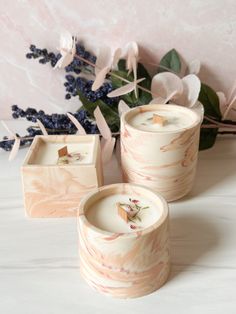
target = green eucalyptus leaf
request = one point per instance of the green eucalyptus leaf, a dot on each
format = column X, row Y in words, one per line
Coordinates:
column 207, row 137
column 210, row 101
column 144, row 97
column 122, row 65
column 110, row 114
column 130, row 99
column 117, row 82
column 170, row 61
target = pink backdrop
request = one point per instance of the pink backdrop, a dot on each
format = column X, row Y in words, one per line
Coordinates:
column 204, row 29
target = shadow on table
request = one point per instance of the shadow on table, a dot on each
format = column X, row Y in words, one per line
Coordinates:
column 112, row 171
column 192, row 237
column 215, row 167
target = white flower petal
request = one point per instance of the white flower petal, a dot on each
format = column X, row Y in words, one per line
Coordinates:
column 230, row 106
column 222, row 101
column 42, row 127
column 116, row 57
column 199, row 109
column 231, row 93
column 65, row 60
column 122, row 107
column 67, row 50
column 66, row 40
column 132, row 48
column 100, row 78
column 107, row 149
column 132, row 58
column 191, row 90
column 164, row 84
column 124, row 89
column 157, row 101
column 102, row 124
column 194, row 67
column 15, row 148
column 79, row 127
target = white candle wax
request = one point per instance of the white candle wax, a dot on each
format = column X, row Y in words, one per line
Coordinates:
column 103, row 214
column 47, row 153
column 175, row 120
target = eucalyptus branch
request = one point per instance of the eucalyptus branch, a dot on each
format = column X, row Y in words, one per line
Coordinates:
column 231, row 125
column 114, row 75
column 226, row 132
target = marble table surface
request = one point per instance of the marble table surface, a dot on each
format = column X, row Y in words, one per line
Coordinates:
column 39, row 267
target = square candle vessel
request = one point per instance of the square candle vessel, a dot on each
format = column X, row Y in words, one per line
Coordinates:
column 116, row 258
column 52, row 190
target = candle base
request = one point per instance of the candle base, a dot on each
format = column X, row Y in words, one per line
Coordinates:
column 126, row 289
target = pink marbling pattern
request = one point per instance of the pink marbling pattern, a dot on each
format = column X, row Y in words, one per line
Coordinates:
column 165, row 162
column 124, row 265
column 56, row 191
column 199, row 29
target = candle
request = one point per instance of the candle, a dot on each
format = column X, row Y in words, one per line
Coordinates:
column 172, row 120
column 58, row 171
column 104, row 213
column 119, row 257
column 48, row 153
column 159, row 148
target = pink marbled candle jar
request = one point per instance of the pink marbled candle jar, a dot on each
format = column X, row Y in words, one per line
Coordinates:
column 116, row 259
column 163, row 159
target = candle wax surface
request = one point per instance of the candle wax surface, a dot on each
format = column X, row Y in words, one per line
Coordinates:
column 48, row 153
column 175, row 120
column 103, row 214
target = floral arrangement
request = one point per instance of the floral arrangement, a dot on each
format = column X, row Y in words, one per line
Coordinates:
column 114, row 80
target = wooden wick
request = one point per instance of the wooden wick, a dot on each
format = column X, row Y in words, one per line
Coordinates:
column 122, row 213
column 158, row 119
column 63, row 151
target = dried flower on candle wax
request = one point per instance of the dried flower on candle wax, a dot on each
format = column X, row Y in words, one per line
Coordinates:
column 68, row 158
column 133, row 227
column 134, row 201
column 131, row 211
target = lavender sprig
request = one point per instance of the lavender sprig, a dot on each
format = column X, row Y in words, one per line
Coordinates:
column 54, row 124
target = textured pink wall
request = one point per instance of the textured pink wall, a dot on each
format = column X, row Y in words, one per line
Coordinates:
column 204, row 29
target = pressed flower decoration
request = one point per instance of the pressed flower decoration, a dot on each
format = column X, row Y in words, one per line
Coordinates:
column 131, row 212
column 120, row 81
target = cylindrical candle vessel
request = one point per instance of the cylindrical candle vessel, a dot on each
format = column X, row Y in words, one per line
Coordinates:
column 159, row 148
column 125, row 258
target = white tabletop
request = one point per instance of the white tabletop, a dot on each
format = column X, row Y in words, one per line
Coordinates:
column 39, row 267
